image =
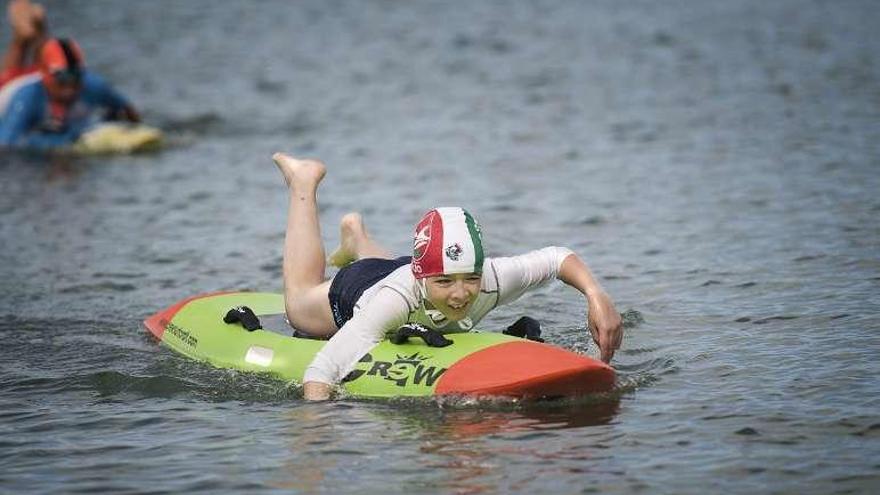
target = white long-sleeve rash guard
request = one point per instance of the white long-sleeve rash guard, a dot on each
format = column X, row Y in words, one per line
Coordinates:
column 396, row 300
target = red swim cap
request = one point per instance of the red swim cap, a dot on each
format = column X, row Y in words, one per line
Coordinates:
column 61, row 59
column 447, row 241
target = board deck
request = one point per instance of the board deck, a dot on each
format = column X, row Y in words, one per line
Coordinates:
column 118, row 138
column 476, row 364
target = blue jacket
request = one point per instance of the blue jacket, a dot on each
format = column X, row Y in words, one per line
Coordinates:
column 26, row 121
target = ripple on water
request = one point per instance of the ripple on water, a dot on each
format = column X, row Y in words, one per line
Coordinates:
column 111, row 383
column 98, row 287
column 769, row 319
column 632, row 318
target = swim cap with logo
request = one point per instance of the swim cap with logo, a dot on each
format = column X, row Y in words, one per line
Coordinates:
column 447, row 241
column 62, row 60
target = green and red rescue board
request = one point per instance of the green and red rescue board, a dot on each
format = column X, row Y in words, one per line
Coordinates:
column 476, row 364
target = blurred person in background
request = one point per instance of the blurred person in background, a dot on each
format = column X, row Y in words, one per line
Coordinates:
column 48, row 98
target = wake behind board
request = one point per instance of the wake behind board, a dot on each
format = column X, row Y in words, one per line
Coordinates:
column 476, row 364
column 118, row 138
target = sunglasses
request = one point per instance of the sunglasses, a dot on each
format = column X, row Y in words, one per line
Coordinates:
column 67, row 77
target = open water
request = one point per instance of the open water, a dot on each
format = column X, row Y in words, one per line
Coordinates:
column 716, row 163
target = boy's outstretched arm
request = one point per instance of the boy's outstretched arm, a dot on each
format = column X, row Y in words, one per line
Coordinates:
column 603, row 319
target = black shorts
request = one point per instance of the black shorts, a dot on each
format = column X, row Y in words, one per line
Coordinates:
column 352, row 280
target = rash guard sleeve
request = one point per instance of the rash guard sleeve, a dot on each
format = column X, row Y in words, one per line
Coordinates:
column 17, row 123
column 17, row 119
column 387, row 310
column 517, row 274
column 98, row 92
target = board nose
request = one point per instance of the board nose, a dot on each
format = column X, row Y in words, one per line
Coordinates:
column 528, row 370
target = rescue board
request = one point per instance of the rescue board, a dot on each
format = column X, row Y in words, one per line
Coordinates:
column 475, row 364
column 118, row 138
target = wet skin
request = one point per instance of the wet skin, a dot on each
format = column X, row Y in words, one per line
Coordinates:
column 453, row 295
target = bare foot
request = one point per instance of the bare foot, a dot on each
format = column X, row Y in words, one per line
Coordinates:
column 38, row 19
column 299, row 174
column 351, row 229
column 355, row 243
column 26, row 19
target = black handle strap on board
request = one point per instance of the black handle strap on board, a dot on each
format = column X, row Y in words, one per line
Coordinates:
column 525, row 328
column 432, row 338
column 244, row 316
